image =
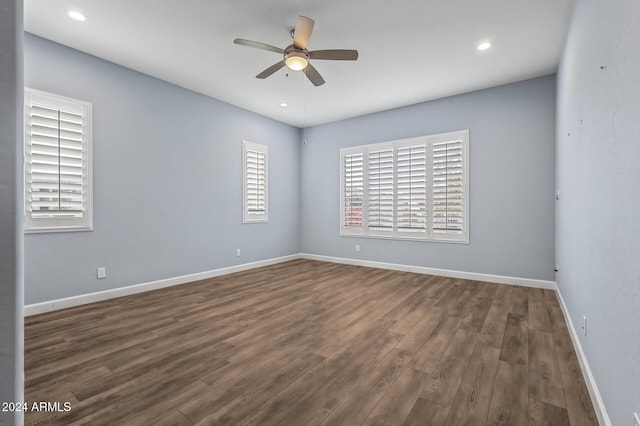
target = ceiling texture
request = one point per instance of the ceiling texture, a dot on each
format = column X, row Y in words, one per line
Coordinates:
column 410, row 51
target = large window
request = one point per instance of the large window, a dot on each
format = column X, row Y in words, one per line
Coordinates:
column 58, row 161
column 414, row 188
column 255, row 184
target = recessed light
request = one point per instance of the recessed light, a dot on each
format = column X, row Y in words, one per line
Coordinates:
column 75, row 15
column 284, row 104
column 484, row 46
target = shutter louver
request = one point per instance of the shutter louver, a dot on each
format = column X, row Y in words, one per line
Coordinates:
column 56, row 157
column 412, row 189
column 353, row 190
column 448, row 188
column 381, row 192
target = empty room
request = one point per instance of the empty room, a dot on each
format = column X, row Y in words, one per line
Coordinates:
column 330, row 213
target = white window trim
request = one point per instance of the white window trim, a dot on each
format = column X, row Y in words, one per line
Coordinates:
column 394, row 234
column 246, row 216
column 45, row 225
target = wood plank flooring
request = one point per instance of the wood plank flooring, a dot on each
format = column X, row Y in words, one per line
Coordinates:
column 310, row 343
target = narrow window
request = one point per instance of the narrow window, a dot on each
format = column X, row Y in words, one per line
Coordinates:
column 58, row 162
column 255, row 184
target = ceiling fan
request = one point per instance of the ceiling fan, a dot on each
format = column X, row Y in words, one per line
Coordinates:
column 296, row 57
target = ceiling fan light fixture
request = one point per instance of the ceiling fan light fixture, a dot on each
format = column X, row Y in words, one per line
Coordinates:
column 296, row 60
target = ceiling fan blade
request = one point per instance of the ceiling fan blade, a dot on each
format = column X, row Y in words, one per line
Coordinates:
column 257, row 45
column 302, row 32
column 273, row 68
column 335, row 54
column 313, row 75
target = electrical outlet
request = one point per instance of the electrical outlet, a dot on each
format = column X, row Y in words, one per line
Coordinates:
column 237, row 252
column 636, row 419
column 102, row 272
column 357, row 248
column 557, row 268
column 584, row 325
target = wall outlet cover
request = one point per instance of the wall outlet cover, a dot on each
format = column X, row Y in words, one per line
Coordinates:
column 102, row 272
column 237, row 252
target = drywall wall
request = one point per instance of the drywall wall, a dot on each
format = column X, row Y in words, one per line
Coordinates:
column 167, row 181
column 511, row 228
column 11, row 279
column 598, row 214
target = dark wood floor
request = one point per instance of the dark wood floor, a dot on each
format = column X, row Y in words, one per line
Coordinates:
column 308, row 342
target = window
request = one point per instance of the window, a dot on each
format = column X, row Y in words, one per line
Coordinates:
column 255, row 183
column 58, row 161
column 413, row 188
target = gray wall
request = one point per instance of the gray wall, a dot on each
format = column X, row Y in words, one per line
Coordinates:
column 598, row 215
column 512, row 180
column 11, row 279
column 167, row 181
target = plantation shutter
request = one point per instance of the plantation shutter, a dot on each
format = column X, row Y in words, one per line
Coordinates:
column 380, row 190
column 57, row 160
column 448, row 188
column 256, row 187
column 408, row 189
column 255, row 182
column 412, row 189
column 353, row 191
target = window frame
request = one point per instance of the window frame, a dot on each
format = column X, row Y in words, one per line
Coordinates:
column 394, row 234
column 76, row 106
column 246, row 216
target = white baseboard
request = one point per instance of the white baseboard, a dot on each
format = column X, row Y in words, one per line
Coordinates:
column 500, row 279
column 594, row 392
column 67, row 302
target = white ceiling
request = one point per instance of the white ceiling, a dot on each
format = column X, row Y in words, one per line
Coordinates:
column 410, row 50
